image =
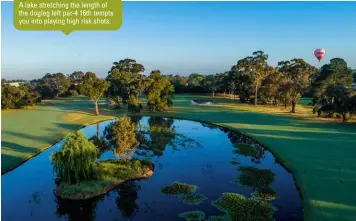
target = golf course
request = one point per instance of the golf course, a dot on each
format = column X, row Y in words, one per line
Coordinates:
column 320, row 155
column 178, row 111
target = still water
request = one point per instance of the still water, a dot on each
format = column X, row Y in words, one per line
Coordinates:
column 198, row 154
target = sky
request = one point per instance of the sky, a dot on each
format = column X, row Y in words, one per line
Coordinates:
column 185, row 37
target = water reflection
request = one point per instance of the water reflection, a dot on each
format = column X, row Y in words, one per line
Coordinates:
column 212, row 158
column 126, row 201
column 246, row 147
column 77, row 210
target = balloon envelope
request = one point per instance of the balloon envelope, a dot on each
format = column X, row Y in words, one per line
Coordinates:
column 319, row 53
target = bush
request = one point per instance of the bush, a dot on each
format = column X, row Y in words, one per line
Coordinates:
column 75, row 162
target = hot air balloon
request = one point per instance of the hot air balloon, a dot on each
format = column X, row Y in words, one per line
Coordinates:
column 319, row 53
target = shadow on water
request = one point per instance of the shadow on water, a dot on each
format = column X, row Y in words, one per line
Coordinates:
column 214, row 159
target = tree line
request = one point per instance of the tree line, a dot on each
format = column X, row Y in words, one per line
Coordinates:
column 124, row 85
column 254, row 81
column 251, row 79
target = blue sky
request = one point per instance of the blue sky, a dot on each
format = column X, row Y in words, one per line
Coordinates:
column 186, row 37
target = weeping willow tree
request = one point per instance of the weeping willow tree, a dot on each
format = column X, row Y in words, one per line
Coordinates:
column 75, row 162
column 122, row 136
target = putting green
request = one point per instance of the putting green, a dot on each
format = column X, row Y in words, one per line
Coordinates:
column 321, row 156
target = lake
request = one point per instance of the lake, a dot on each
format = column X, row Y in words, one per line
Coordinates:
column 186, row 151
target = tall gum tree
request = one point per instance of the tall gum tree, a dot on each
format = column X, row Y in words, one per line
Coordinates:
column 296, row 74
column 257, row 68
column 93, row 88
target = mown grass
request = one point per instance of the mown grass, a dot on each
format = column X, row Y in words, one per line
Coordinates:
column 111, row 173
column 321, row 155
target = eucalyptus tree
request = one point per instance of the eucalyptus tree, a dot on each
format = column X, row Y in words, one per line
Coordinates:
column 93, row 88
column 127, row 82
column 256, row 68
column 211, row 83
column 335, row 73
column 297, row 74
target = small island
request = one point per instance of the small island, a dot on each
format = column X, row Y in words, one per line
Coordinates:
column 80, row 176
column 112, row 174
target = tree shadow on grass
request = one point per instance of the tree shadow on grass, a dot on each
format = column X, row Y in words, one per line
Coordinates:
column 8, row 160
column 69, row 126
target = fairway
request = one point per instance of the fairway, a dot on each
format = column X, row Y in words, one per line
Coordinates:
column 321, row 156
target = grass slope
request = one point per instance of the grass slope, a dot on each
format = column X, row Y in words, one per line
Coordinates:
column 321, row 156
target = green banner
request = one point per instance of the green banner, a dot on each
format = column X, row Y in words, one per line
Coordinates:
column 67, row 15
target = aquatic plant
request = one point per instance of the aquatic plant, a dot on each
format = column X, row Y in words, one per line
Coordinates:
column 238, row 208
column 178, row 188
column 192, row 199
column 75, row 162
column 193, row 215
column 264, row 193
column 254, row 177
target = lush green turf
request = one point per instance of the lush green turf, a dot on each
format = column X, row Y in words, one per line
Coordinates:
column 321, row 156
column 26, row 132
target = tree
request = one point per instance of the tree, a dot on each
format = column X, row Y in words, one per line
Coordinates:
column 75, row 162
column 122, row 136
column 179, row 82
column 128, row 65
column 195, row 79
column 195, row 83
column 338, row 100
column 270, row 88
column 256, row 68
column 93, row 88
column 126, row 81
column 53, row 85
column 76, row 77
column 211, row 83
column 335, row 73
column 296, row 73
column 13, row 97
column 160, row 92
